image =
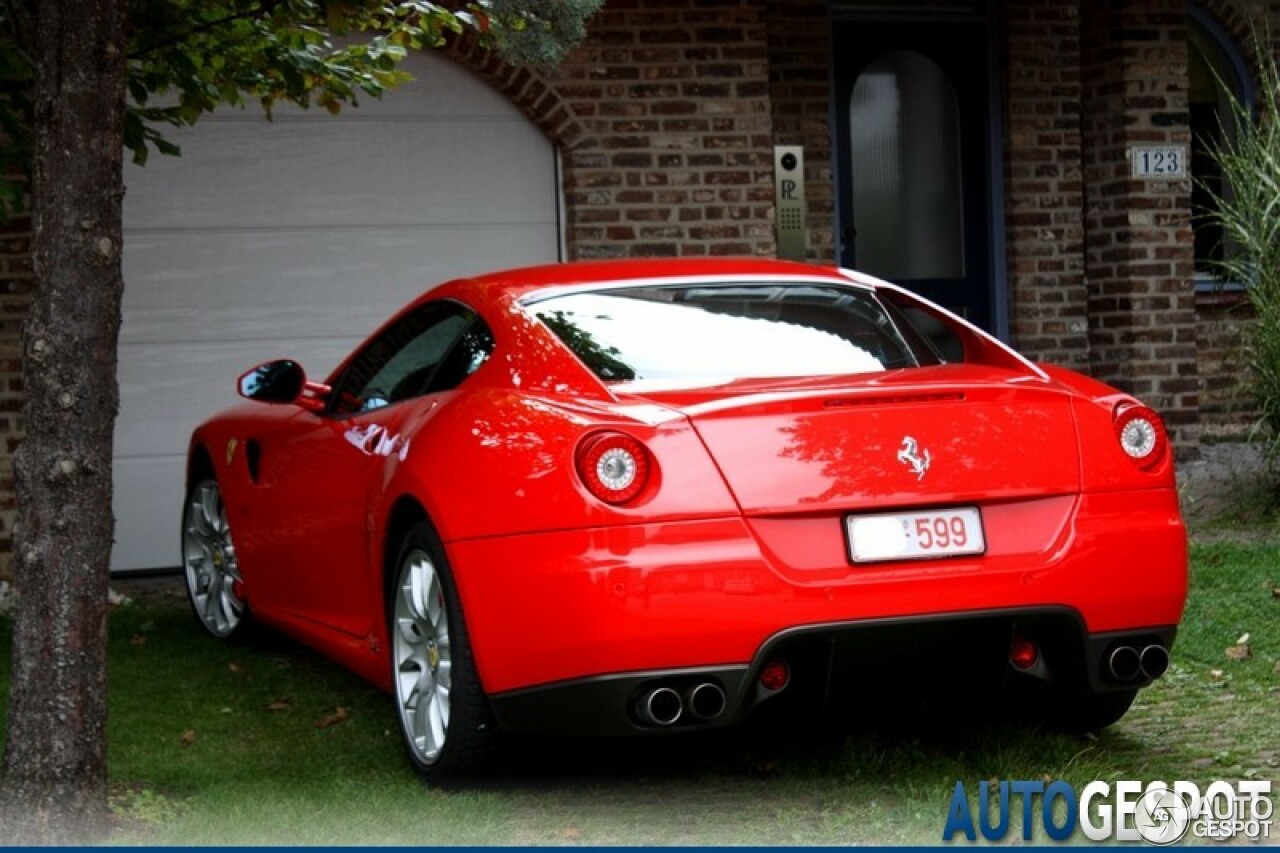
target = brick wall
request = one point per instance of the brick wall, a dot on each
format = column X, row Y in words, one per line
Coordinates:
column 663, row 124
column 1044, row 188
column 1227, row 410
column 1138, row 246
column 800, row 91
column 676, row 156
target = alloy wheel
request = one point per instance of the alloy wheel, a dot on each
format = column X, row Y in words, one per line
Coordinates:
column 423, row 656
column 209, row 557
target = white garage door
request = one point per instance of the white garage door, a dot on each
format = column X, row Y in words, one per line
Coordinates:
column 295, row 238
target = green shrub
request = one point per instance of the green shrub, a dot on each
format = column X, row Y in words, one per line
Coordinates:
column 1247, row 207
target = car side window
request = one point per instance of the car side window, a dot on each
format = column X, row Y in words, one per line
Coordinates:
column 432, row 348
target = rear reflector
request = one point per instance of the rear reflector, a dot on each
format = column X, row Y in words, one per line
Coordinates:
column 1023, row 653
column 775, row 675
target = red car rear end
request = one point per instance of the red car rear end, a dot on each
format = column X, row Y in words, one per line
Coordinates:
column 975, row 521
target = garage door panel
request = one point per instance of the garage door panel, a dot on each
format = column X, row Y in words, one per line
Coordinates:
column 167, row 389
column 369, row 172
column 148, row 509
column 296, row 238
column 198, row 286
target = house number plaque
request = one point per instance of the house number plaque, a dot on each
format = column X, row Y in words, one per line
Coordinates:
column 1158, row 162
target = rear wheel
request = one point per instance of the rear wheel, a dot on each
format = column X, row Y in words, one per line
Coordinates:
column 214, row 586
column 444, row 716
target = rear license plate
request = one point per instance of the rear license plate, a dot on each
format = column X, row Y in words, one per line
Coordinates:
column 915, row 535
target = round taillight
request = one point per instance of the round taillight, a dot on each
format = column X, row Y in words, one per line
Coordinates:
column 613, row 466
column 1141, row 434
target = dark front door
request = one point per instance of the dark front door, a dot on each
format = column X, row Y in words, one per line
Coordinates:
column 915, row 149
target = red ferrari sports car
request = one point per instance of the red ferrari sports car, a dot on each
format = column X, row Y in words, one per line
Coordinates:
column 642, row 497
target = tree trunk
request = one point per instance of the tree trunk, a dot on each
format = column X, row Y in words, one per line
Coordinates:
column 54, row 770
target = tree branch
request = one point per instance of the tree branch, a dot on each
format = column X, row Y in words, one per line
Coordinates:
column 264, row 8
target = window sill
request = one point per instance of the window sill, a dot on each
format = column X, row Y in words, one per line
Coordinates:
column 1213, row 292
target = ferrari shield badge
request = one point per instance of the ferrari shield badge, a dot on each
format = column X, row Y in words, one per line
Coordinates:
column 909, row 454
column 231, row 450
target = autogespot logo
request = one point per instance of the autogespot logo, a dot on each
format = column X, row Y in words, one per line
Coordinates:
column 1126, row 811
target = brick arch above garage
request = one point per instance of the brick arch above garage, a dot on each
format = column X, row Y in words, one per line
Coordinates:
column 527, row 88
column 663, row 121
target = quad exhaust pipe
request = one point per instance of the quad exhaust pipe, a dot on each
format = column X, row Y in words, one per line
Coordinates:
column 705, row 701
column 1128, row 663
column 1153, row 661
column 661, row 706
column 664, row 706
column 1123, row 663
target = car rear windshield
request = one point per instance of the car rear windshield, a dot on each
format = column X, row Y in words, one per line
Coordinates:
column 714, row 334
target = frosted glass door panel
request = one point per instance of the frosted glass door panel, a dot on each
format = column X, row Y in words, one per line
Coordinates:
column 908, row 207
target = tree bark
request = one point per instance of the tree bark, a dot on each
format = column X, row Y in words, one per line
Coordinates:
column 54, row 767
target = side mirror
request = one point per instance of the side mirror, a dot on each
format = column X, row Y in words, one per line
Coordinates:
column 274, row 382
column 283, row 382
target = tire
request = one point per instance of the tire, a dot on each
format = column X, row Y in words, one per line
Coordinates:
column 1089, row 712
column 214, row 586
column 444, row 716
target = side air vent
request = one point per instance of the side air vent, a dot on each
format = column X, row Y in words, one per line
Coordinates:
column 253, row 455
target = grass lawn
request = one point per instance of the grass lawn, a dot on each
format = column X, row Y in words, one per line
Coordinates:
column 216, row 744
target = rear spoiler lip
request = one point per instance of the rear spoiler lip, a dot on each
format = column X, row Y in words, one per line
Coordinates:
column 843, row 396
column 864, row 279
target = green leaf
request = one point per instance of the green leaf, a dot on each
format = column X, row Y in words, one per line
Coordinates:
column 206, row 53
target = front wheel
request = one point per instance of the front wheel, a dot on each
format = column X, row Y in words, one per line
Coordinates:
column 209, row 561
column 444, row 716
